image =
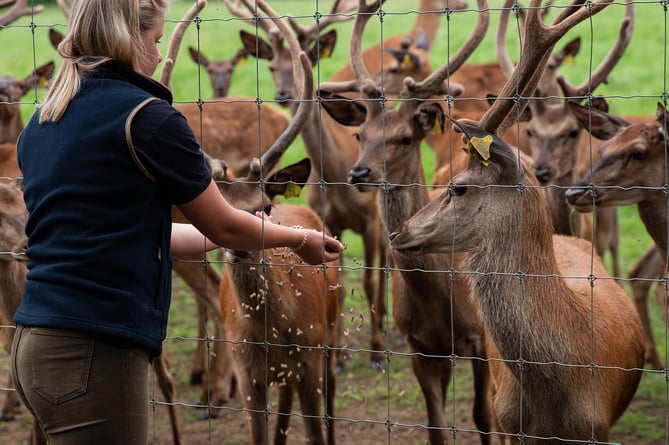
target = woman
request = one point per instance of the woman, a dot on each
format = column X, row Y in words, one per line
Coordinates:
column 104, row 159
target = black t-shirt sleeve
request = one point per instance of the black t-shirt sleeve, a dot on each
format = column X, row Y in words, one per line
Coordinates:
column 167, row 148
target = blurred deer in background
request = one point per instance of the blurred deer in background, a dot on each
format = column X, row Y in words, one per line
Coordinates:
column 434, row 313
column 219, row 70
column 332, row 150
column 533, row 288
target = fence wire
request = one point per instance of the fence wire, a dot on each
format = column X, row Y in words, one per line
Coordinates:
column 410, row 346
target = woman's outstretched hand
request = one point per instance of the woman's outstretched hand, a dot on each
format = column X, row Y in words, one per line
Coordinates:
column 319, row 247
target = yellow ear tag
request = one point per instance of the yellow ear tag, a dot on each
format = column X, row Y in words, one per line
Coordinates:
column 42, row 82
column 438, row 129
column 406, row 62
column 481, row 148
column 241, row 61
column 292, row 190
column 326, row 54
column 569, row 60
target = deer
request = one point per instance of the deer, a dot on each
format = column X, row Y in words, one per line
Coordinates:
column 630, row 171
column 332, row 151
column 219, row 70
column 270, row 296
column 433, row 312
column 566, row 353
column 12, row 89
column 552, row 131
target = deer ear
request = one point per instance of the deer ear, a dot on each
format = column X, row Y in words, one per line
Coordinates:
column 430, row 118
column 197, row 56
column 55, row 37
column 256, row 46
column 661, row 116
column 323, row 48
column 343, row 110
column 601, row 125
column 290, row 180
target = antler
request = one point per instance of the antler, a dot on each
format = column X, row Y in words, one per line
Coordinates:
column 17, row 11
column 304, row 80
column 175, row 42
column 65, row 6
column 248, row 14
column 600, row 74
column 338, row 13
column 539, row 40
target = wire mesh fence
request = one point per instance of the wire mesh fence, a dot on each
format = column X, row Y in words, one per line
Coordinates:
column 467, row 324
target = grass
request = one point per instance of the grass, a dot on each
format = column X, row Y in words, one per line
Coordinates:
column 634, row 88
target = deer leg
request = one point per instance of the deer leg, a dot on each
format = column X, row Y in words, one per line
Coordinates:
column 376, row 299
column 161, row 367
column 308, row 391
column 642, row 274
column 329, row 394
column 483, row 416
column 255, row 402
column 205, row 282
column 11, row 401
column 433, row 376
column 607, row 236
column 284, row 406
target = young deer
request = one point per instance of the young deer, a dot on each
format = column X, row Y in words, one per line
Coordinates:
column 332, row 150
column 566, row 353
column 280, row 314
column 219, row 70
column 433, row 312
column 631, row 171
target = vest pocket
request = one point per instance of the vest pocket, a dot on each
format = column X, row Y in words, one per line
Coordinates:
column 60, row 363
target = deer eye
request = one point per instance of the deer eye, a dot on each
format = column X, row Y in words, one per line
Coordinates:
column 268, row 209
column 639, row 154
column 574, row 134
column 356, row 135
column 528, row 132
column 457, row 189
column 406, row 140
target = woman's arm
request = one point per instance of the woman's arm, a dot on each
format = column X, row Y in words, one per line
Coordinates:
column 228, row 227
column 187, row 240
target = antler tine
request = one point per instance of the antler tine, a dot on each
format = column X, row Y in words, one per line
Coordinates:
column 338, row 13
column 250, row 14
column 600, row 74
column 175, row 42
column 304, row 78
column 17, row 11
column 65, row 6
column 536, row 50
column 503, row 58
column 434, row 83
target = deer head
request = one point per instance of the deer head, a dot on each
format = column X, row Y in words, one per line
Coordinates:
column 311, row 40
column 220, row 70
column 12, row 89
column 633, row 163
column 390, row 138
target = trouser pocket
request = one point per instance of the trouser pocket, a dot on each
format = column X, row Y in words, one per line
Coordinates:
column 60, row 363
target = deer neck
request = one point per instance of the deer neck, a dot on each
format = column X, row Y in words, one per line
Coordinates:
column 11, row 123
column 329, row 159
column 400, row 203
column 515, row 303
column 653, row 213
column 428, row 23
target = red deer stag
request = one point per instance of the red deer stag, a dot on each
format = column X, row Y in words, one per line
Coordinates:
column 433, row 312
column 565, row 353
column 332, row 150
column 631, row 171
column 553, row 132
column 279, row 314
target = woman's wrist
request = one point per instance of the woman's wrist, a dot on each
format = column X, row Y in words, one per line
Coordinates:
column 303, row 243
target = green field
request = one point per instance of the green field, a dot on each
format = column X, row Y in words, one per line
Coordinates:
column 634, row 88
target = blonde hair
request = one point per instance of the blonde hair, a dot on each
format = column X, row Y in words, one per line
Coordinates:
column 98, row 31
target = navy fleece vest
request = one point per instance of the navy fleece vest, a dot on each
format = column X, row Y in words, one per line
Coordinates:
column 99, row 229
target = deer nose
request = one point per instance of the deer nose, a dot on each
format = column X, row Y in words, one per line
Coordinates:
column 282, row 97
column 543, row 174
column 572, row 194
column 358, row 176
